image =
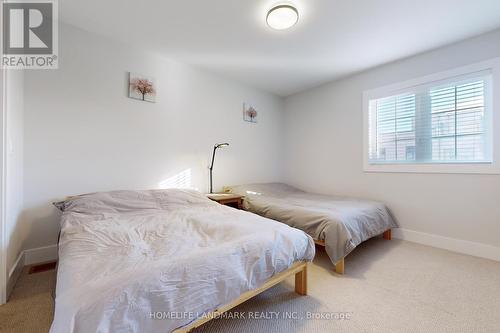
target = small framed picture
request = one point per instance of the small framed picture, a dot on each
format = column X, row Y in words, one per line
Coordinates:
column 142, row 87
column 249, row 113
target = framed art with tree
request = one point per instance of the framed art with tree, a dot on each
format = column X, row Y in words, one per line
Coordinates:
column 142, row 87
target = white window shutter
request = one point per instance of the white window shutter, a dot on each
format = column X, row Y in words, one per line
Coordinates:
column 437, row 122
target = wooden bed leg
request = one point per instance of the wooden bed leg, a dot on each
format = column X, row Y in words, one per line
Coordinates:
column 388, row 235
column 339, row 266
column 301, row 282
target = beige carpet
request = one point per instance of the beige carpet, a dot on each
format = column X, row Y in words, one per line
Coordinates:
column 30, row 307
column 389, row 286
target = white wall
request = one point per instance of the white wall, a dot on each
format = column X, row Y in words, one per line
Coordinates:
column 324, row 151
column 83, row 134
column 16, row 230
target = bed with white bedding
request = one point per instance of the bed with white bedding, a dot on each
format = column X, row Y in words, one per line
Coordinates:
column 338, row 223
column 157, row 261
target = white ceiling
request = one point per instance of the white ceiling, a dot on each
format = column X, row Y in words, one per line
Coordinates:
column 333, row 38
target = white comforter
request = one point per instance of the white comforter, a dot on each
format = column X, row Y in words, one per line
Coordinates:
column 154, row 261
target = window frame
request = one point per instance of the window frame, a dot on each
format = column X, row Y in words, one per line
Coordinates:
column 492, row 128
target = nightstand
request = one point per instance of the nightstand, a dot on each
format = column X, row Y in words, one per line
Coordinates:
column 227, row 199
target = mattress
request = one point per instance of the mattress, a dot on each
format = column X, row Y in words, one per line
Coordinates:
column 342, row 223
column 154, row 261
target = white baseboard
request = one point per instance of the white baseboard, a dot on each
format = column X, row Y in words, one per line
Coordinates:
column 40, row 254
column 14, row 273
column 451, row 244
column 29, row 257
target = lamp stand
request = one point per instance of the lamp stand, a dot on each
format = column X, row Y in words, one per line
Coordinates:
column 219, row 145
column 211, row 170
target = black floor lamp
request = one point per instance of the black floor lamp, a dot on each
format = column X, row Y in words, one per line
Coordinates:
column 218, row 145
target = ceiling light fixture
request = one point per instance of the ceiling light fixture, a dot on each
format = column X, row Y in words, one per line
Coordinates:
column 282, row 17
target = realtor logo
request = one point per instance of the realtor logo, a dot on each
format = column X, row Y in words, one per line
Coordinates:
column 29, row 34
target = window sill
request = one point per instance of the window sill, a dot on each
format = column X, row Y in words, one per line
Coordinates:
column 451, row 168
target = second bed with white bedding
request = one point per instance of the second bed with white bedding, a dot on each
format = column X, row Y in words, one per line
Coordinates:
column 341, row 223
column 126, row 256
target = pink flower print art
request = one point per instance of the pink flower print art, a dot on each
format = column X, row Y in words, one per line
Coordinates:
column 142, row 88
column 249, row 113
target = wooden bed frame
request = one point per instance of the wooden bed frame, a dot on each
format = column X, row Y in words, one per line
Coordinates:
column 300, row 271
column 339, row 265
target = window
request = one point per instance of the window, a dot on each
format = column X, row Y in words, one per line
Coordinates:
column 458, row 132
column 394, row 134
column 438, row 123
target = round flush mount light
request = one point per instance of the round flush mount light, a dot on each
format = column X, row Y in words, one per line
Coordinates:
column 282, row 17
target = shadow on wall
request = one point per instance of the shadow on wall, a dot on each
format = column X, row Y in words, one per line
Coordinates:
column 44, row 225
column 16, row 239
